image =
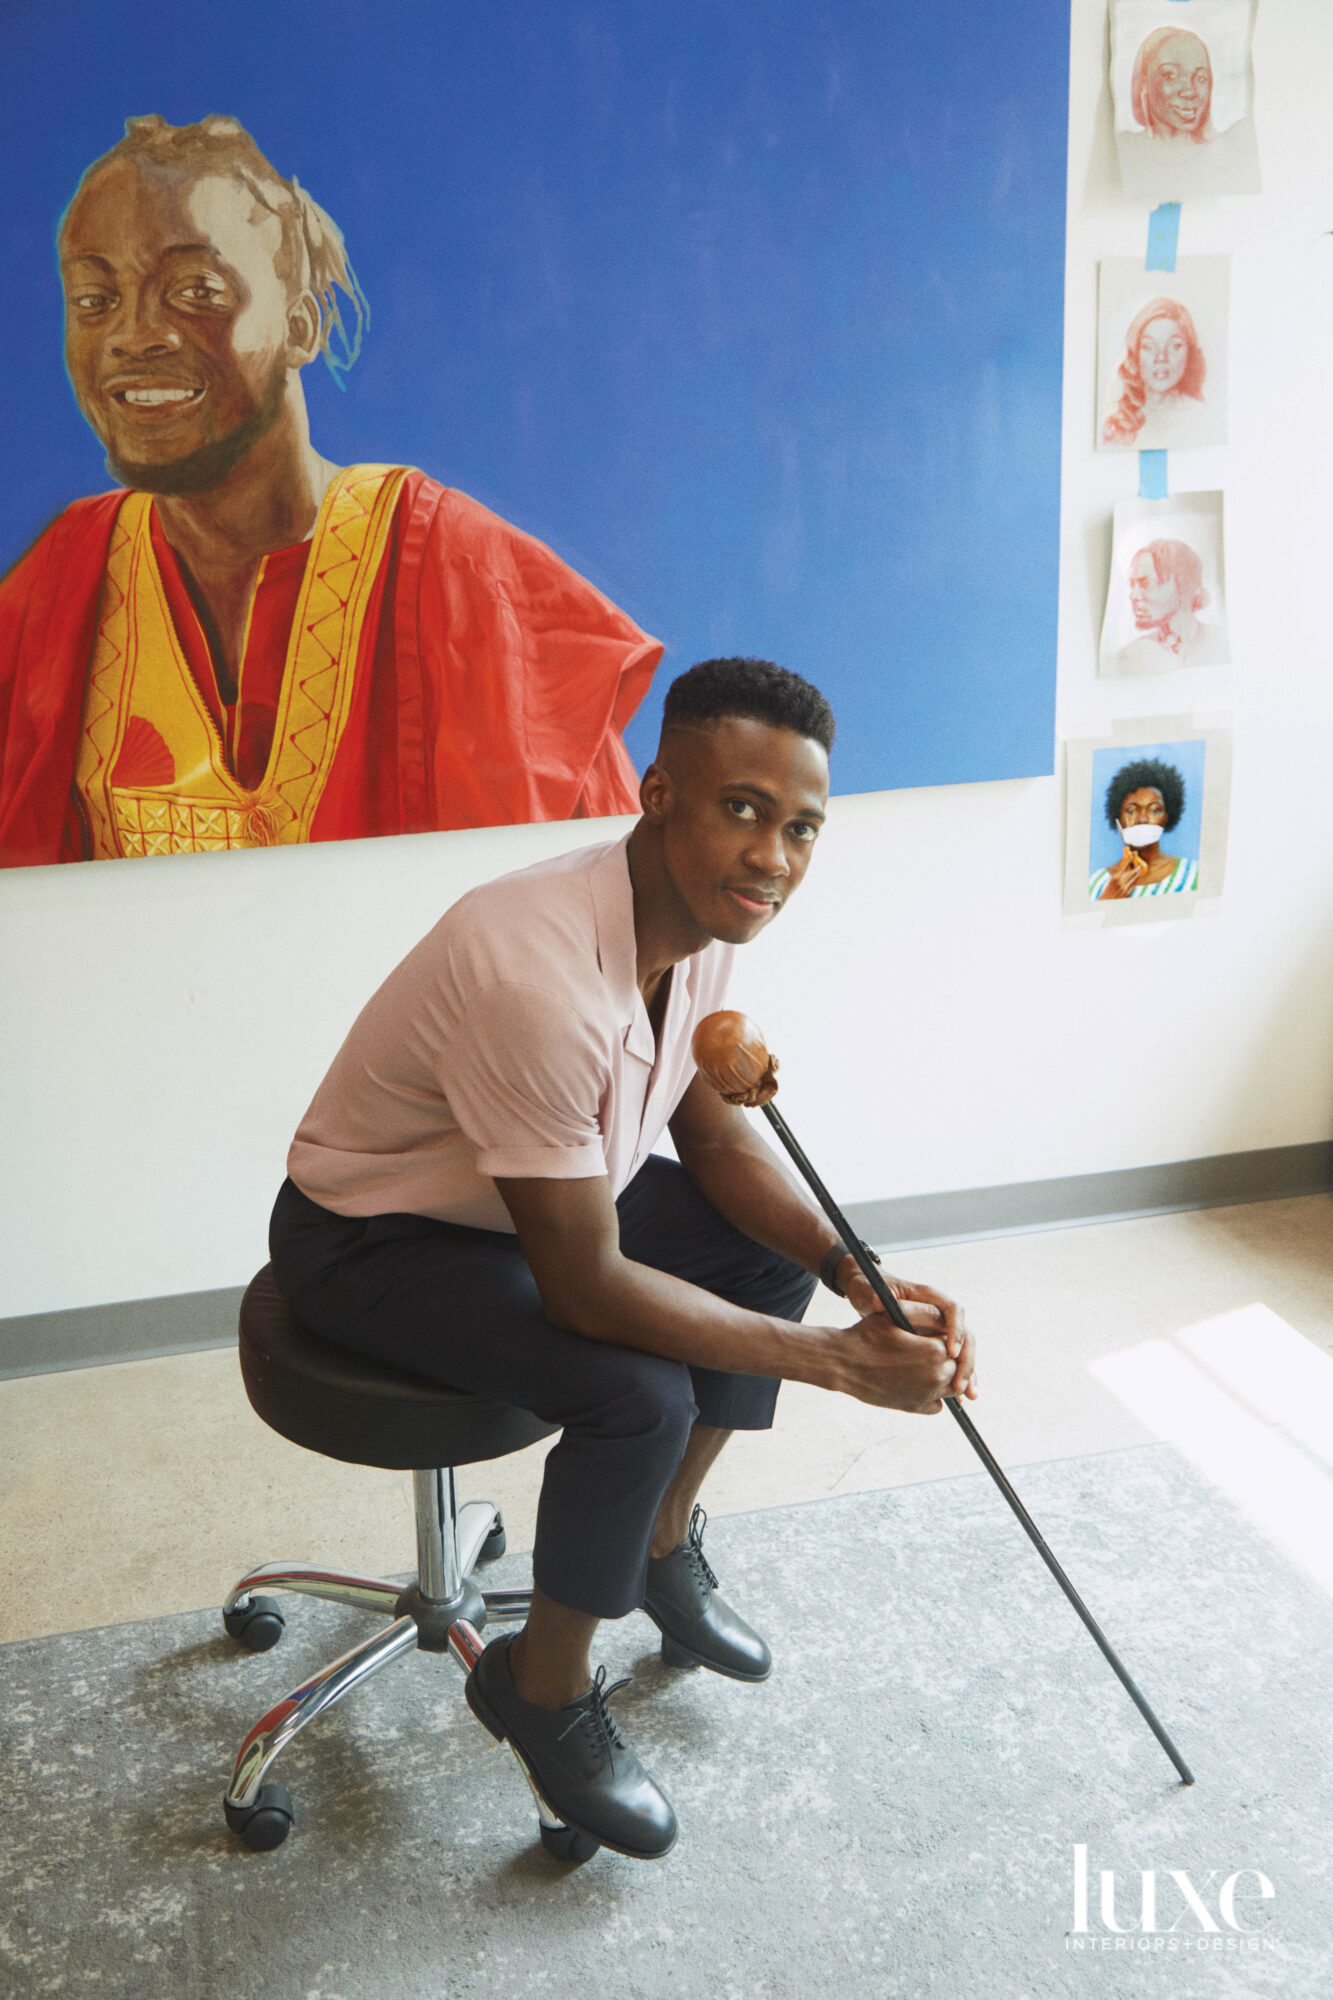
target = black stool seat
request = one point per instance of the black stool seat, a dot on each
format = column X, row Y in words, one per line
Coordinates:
column 333, row 1401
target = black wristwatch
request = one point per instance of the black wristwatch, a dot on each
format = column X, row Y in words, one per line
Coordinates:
column 829, row 1262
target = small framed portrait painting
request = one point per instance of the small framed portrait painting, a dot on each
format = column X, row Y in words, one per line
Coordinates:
column 1166, row 602
column 1183, row 83
column 1146, row 825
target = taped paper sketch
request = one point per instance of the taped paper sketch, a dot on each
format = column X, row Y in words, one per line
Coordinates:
column 1161, row 365
column 1166, row 603
column 1182, row 80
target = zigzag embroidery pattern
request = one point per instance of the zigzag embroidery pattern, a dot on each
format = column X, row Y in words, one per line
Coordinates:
column 335, row 585
column 109, row 649
column 320, row 674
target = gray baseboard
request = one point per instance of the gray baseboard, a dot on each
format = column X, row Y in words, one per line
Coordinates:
column 130, row 1330
column 143, row 1329
column 1018, row 1209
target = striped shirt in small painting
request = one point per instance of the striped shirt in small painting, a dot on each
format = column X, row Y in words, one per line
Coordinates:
column 1185, row 875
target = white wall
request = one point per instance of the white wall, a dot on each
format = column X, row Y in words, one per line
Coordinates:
column 165, row 1023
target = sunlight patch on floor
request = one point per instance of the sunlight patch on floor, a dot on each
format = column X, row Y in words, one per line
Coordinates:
column 1249, row 1402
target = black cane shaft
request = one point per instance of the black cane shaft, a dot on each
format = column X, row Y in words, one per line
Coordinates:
column 869, row 1268
column 875, row 1278
column 996, row 1471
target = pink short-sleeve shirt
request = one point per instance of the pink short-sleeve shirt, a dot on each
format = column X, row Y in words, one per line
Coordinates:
column 512, row 1041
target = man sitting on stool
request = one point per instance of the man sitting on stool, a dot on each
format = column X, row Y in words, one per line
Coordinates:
column 473, row 1198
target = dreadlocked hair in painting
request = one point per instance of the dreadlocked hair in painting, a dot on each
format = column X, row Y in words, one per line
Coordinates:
column 313, row 256
column 1176, row 562
column 753, row 688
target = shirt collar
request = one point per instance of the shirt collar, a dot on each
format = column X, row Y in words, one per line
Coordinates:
column 617, row 948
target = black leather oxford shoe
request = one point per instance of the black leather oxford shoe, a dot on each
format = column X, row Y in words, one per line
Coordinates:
column 699, row 1628
column 577, row 1758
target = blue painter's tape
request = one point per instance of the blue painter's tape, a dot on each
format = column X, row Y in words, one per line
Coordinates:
column 1163, row 235
column 1152, row 475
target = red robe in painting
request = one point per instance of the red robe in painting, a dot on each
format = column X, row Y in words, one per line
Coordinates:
column 492, row 685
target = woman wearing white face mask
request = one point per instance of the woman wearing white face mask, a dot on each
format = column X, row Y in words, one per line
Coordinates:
column 1144, row 800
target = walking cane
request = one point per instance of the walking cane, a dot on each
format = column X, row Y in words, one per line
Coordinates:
column 729, row 1051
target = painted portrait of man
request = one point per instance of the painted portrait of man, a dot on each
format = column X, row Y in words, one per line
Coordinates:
column 245, row 644
column 646, row 358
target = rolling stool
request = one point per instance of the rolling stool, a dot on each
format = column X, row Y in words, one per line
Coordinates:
column 335, row 1402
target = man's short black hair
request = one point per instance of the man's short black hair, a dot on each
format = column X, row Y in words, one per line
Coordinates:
column 754, row 688
column 1146, row 772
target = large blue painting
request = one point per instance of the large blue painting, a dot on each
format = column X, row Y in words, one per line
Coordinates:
column 752, row 315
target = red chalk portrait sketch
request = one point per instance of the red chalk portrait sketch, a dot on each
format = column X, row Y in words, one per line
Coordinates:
column 1163, row 364
column 1166, row 605
column 1166, row 594
column 1171, row 86
column 1182, row 82
column 1162, row 357
column 245, row 644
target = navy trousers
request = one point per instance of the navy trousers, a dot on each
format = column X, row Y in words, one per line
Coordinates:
column 460, row 1307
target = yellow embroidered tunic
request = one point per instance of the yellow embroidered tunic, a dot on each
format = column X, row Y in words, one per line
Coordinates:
column 140, row 674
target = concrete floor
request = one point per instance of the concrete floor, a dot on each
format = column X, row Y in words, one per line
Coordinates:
column 146, row 1488
column 895, row 1815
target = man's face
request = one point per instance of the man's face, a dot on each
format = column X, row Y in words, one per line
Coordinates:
column 1164, row 356
column 1180, row 80
column 1151, row 600
column 742, row 811
column 176, row 336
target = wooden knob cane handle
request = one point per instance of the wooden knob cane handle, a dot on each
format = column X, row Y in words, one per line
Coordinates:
column 729, row 1051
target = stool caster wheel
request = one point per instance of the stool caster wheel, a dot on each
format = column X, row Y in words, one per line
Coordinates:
column 258, row 1625
column 495, row 1543
column 267, row 1823
column 566, row 1843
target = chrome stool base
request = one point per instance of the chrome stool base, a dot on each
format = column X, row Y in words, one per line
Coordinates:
column 442, row 1611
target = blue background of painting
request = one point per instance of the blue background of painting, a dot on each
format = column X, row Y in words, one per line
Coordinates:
column 753, row 312
column 1188, row 758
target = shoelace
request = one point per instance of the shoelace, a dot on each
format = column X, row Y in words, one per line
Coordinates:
column 694, row 1549
column 601, row 1724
